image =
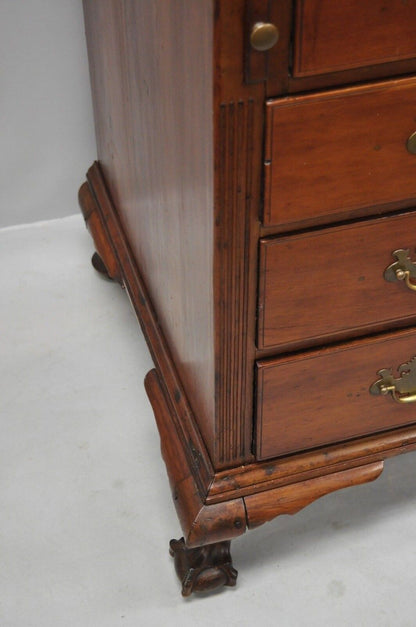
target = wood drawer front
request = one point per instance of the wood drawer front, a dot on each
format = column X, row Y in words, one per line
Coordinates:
column 309, row 400
column 330, row 283
column 339, row 154
column 340, row 35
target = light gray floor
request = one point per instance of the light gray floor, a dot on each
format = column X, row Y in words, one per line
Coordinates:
column 85, row 508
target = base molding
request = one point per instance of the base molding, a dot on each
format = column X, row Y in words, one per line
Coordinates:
column 217, row 506
column 290, row 499
column 205, row 523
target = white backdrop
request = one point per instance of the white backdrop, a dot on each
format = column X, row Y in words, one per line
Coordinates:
column 46, row 123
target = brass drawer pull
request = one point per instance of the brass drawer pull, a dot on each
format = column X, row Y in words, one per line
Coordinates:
column 404, row 269
column 402, row 389
column 263, row 36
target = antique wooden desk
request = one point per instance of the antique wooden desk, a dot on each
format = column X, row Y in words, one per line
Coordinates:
column 254, row 194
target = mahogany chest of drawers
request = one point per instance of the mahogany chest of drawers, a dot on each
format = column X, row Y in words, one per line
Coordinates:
column 255, row 195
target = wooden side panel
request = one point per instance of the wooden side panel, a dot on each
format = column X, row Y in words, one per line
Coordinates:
column 330, row 284
column 332, row 36
column 322, row 397
column 152, row 70
column 340, row 154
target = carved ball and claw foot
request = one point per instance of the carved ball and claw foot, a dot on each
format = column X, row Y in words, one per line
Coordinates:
column 203, row 568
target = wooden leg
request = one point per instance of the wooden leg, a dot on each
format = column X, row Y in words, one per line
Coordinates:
column 100, row 266
column 104, row 260
column 203, row 568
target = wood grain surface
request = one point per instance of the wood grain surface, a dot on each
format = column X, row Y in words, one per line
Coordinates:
column 340, row 154
column 175, row 206
column 152, row 81
column 325, row 285
column 281, row 471
column 321, row 397
column 333, row 36
column 271, row 65
column 289, row 499
column 201, row 524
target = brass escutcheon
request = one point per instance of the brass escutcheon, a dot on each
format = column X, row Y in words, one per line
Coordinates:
column 402, row 389
column 263, row 36
column 403, row 269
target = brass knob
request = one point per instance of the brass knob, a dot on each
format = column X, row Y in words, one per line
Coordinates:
column 411, row 143
column 263, row 36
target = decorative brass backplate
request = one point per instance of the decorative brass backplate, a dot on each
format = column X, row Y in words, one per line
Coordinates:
column 411, row 144
column 404, row 269
column 402, row 389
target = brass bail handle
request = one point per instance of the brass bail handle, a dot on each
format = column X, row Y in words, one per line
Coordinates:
column 403, row 269
column 404, row 275
column 402, row 389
